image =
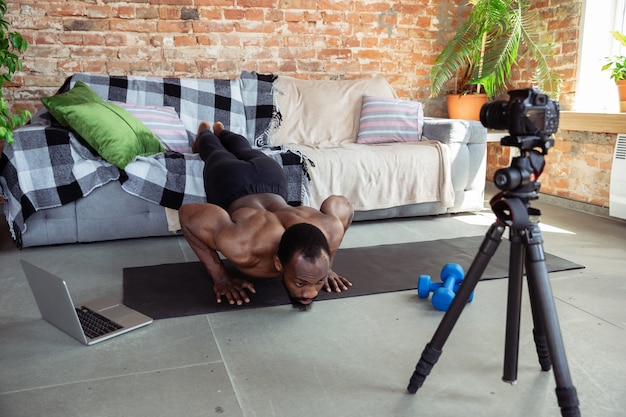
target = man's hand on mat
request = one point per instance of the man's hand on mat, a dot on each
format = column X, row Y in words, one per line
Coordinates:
column 234, row 290
column 336, row 283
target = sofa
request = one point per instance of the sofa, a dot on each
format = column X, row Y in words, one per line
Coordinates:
column 64, row 182
column 379, row 151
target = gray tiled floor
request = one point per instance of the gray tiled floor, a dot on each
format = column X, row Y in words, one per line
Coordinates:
column 350, row 357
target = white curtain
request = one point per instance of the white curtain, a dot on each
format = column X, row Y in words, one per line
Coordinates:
column 595, row 91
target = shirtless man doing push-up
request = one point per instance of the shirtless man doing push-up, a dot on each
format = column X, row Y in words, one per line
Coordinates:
column 248, row 220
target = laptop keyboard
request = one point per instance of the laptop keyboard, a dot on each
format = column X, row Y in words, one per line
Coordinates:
column 94, row 325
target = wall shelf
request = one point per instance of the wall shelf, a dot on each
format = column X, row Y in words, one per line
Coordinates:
column 593, row 122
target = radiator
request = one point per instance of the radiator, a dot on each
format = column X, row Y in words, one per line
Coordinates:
column 617, row 196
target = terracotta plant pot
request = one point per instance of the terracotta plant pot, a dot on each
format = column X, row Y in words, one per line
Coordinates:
column 465, row 106
column 621, row 89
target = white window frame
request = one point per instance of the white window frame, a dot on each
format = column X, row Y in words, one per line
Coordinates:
column 595, row 91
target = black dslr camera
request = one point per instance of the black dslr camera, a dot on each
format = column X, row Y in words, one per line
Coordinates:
column 531, row 118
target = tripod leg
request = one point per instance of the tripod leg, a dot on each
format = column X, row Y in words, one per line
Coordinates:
column 543, row 305
column 432, row 351
column 514, row 306
column 539, row 334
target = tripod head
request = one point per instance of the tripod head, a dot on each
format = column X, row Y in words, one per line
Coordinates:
column 520, row 179
column 531, row 118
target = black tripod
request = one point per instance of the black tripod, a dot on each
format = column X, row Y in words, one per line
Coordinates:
column 513, row 210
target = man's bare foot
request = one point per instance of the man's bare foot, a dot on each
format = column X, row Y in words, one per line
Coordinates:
column 201, row 128
column 218, row 127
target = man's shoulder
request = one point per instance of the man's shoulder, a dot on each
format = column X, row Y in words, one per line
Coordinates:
column 303, row 214
column 202, row 215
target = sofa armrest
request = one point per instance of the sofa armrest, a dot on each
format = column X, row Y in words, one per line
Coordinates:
column 466, row 142
column 451, row 131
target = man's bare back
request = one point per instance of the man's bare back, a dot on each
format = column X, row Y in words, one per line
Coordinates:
column 248, row 233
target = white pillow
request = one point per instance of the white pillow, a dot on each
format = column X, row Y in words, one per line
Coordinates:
column 164, row 123
column 385, row 120
column 322, row 112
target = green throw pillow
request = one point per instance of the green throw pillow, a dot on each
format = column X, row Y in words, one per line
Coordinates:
column 112, row 131
column 81, row 93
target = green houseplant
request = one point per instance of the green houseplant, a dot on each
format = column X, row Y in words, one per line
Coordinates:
column 11, row 44
column 617, row 63
column 617, row 67
column 495, row 37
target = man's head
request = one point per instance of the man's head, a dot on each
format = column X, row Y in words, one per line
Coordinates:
column 303, row 257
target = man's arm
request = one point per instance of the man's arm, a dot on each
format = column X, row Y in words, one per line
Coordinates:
column 201, row 225
column 340, row 208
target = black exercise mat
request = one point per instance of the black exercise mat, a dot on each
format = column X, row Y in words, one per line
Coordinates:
column 183, row 289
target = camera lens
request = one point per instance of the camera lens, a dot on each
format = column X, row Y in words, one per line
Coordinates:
column 495, row 115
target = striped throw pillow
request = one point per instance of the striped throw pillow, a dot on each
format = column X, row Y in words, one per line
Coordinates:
column 386, row 120
column 164, row 123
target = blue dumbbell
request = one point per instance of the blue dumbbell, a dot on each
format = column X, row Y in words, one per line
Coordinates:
column 445, row 291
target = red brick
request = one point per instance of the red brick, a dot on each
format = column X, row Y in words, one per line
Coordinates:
column 334, row 54
column 274, row 15
column 185, row 40
column 298, row 4
column 234, row 14
column 291, row 16
column 212, row 27
column 173, row 2
column 103, row 12
column 254, row 14
column 147, row 13
column 254, row 27
column 334, row 5
column 145, row 26
column 93, row 39
column 95, row 66
column 210, row 14
column 169, row 13
column 215, row 3
column 174, row 26
column 256, row 3
column 65, row 10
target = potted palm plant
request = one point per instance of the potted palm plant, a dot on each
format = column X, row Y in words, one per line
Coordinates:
column 617, row 65
column 495, row 37
column 11, row 44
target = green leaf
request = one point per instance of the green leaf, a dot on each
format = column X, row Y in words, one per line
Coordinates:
column 12, row 44
column 619, row 37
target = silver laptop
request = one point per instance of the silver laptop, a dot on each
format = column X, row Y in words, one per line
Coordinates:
column 88, row 323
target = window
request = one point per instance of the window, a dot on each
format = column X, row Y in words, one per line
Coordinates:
column 595, row 91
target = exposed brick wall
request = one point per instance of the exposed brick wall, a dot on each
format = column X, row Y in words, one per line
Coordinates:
column 316, row 39
column 220, row 38
column 578, row 167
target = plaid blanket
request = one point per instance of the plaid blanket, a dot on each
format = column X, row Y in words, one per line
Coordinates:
column 49, row 169
column 47, row 166
column 245, row 105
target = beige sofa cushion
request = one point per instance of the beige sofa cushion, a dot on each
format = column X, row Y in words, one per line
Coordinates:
column 323, row 113
column 381, row 176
